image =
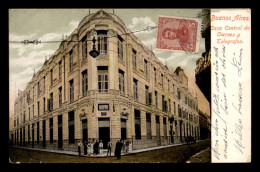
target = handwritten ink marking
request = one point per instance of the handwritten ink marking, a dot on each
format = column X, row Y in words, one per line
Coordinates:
column 216, row 51
column 215, row 126
column 224, row 51
column 223, row 79
column 225, row 141
column 238, row 63
column 215, row 150
column 238, row 141
column 225, row 108
column 240, row 99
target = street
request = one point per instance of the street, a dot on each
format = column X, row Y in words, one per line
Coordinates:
column 177, row 154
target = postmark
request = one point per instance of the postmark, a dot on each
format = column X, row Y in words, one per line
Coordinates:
column 178, row 34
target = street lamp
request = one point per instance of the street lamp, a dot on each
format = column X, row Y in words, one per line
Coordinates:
column 94, row 53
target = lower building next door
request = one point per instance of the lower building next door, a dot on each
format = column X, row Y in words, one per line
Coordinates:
column 104, row 130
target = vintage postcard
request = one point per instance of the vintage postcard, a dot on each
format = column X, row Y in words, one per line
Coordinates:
column 129, row 85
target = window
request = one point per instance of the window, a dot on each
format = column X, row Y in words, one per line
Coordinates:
column 162, row 80
column 147, row 95
column 164, row 104
column 185, row 100
column 38, row 106
column 121, row 82
column 33, row 111
column 28, row 97
column 71, row 127
column 174, row 106
column 102, row 41
column 173, row 88
column 146, row 68
column 33, row 93
column 155, row 75
column 179, row 111
column 44, row 105
column 169, row 85
column 60, row 96
column 44, row 83
column 170, row 110
column 28, row 130
column 71, row 60
column 84, row 48
column 60, row 70
column 51, row 76
column 51, row 129
column 38, row 132
column 24, row 116
column 137, row 125
column 71, row 90
column 179, row 94
column 38, row 89
column 29, row 114
column 103, row 79
column 134, row 59
column 136, row 90
column 120, row 47
column 51, row 102
column 84, row 82
column 148, row 126
column 156, row 99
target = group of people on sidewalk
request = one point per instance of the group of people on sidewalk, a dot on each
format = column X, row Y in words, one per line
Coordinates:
column 96, row 148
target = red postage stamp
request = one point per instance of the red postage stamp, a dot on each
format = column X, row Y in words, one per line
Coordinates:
column 177, row 34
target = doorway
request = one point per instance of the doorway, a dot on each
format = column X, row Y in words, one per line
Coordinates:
column 43, row 133
column 158, row 130
column 33, row 136
column 104, row 130
column 60, row 131
column 123, row 129
column 85, row 130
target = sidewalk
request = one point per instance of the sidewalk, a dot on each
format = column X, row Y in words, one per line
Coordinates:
column 104, row 151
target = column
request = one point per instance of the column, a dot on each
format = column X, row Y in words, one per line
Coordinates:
column 65, row 126
column 143, row 123
column 153, row 125
column 55, row 129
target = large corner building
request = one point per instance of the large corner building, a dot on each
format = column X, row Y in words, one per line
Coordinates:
column 124, row 93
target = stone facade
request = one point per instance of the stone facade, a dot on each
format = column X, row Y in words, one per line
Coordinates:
column 121, row 95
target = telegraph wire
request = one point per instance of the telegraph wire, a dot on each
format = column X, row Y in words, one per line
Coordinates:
column 148, row 28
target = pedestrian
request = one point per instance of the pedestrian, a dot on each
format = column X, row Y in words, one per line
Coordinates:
column 79, row 146
column 130, row 146
column 89, row 148
column 109, row 147
column 96, row 148
column 127, row 146
column 101, row 147
column 119, row 145
column 92, row 147
column 124, row 146
column 85, row 148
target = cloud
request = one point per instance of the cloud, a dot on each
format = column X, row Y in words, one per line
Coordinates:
column 149, row 42
column 74, row 24
column 50, row 37
column 16, row 37
column 140, row 23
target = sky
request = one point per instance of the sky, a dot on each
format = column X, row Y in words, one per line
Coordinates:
column 51, row 24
